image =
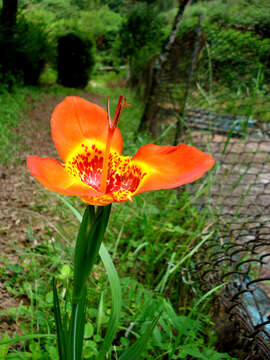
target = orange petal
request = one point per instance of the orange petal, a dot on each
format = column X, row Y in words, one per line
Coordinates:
column 171, row 166
column 52, row 175
column 74, row 120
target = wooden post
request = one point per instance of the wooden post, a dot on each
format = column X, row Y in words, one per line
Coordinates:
column 194, row 61
column 150, row 104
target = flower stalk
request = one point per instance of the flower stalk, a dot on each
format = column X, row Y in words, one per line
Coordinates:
column 90, row 236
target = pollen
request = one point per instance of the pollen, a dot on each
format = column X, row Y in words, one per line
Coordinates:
column 124, row 176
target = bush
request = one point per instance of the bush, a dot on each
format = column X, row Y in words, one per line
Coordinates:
column 235, row 33
column 25, row 53
column 75, row 61
column 237, row 55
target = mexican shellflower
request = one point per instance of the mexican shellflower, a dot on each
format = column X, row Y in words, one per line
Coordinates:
column 89, row 144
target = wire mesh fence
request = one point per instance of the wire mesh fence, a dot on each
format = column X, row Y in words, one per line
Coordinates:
column 238, row 254
column 236, row 133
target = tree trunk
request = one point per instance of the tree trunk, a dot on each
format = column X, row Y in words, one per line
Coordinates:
column 150, row 105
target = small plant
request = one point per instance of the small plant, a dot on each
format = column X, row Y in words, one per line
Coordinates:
column 90, row 144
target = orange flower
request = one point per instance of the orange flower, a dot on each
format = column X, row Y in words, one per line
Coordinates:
column 90, row 145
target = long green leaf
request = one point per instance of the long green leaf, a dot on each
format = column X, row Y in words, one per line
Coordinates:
column 136, row 350
column 70, row 206
column 229, row 135
column 26, row 337
column 4, row 348
column 77, row 327
column 91, row 234
column 116, row 301
column 61, row 336
column 82, row 262
column 100, row 313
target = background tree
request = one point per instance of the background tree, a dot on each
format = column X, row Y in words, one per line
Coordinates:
column 24, row 47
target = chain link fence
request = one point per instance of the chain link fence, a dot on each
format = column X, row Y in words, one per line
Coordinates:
column 194, row 105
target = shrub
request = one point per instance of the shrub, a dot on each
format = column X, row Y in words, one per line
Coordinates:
column 237, row 55
column 235, row 33
column 25, row 53
column 75, row 61
column 33, row 50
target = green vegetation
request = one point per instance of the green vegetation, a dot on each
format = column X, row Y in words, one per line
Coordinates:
column 234, row 70
column 11, row 107
column 151, row 244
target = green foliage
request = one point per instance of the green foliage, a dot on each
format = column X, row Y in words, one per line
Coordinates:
column 237, row 56
column 237, row 49
column 33, row 49
column 176, row 336
column 26, row 52
column 11, row 108
column 98, row 25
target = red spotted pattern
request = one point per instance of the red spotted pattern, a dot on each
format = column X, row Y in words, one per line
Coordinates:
column 123, row 177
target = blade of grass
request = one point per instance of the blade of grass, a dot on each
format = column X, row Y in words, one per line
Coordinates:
column 190, row 253
column 205, row 296
column 70, row 206
column 136, row 350
column 4, row 348
column 230, row 134
column 160, row 287
column 26, row 337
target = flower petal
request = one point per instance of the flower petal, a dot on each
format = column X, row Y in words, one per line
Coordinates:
column 74, row 120
column 171, row 166
column 52, row 175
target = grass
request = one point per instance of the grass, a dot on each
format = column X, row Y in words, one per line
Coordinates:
column 11, row 108
column 150, row 243
column 141, row 259
column 251, row 101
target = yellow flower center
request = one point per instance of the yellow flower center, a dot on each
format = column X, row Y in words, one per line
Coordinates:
column 123, row 178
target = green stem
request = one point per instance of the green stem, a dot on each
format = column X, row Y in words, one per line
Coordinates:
column 91, row 234
column 77, row 322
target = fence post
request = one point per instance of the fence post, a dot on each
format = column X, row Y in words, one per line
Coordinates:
column 194, row 62
column 150, row 104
